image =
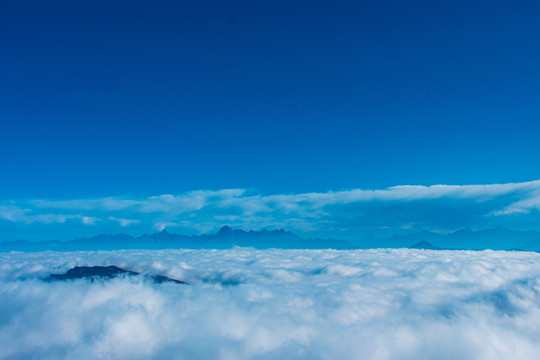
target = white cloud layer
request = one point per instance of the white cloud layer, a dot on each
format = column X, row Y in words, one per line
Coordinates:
column 275, row 304
column 349, row 213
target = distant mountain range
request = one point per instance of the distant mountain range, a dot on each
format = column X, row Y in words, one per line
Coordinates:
column 496, row 239
column 226, row 238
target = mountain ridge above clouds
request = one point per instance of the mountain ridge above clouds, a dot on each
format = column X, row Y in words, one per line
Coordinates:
column 424, row 245
column 226, row 237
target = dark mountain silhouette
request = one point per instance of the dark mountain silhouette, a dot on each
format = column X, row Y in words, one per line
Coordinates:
column 105, row 272
column 423, row 245
column 225, row 238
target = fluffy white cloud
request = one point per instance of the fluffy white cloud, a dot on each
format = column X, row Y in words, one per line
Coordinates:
column 297, row 304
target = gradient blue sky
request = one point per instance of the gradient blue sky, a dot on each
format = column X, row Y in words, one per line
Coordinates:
column 132, row 99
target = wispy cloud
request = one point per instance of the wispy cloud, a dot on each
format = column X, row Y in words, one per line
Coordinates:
column 124, row 222
column 28, row 216
column 349, row 212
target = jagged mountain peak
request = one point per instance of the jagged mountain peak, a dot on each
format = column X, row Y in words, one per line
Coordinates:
column 225, row 230
column 424, row 245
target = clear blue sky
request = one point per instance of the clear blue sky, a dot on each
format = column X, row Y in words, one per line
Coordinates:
column 107, row 98
column 101, row 97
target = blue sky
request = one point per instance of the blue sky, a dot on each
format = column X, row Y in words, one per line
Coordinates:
column 134, row 100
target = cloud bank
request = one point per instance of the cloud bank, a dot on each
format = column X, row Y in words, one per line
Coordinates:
column 275, row 304
column 347, row 213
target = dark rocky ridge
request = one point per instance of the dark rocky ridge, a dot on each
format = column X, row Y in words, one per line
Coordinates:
column 105, row 272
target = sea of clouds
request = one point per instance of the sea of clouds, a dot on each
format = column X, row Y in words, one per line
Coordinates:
column 274, row 304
